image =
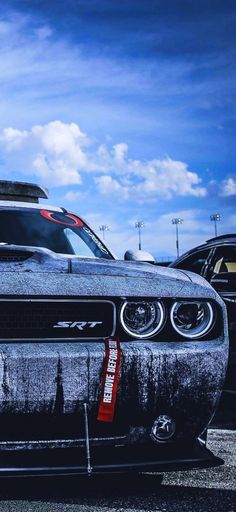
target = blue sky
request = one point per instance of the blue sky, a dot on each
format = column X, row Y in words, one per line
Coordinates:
column 125, row 110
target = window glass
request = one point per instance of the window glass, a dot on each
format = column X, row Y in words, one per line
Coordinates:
column 60, row 232
column 225, row 260
column 77, row 244
column 195, row 262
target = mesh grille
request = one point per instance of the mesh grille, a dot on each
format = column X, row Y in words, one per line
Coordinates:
column 56, row 319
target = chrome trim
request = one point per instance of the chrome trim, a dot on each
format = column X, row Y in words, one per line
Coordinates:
column 143, row 336
column 199, row 334
column 87, row 440
column 6, row 340
column 227, row 294
column 55, row 443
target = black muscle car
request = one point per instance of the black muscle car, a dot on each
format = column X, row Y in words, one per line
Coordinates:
column 215, row 260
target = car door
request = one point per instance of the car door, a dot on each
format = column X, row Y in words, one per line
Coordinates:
column 223, row 279
column 197, row 262
column 222, row 276
column 218, row 266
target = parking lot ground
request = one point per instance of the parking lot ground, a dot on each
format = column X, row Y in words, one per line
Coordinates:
column 205, row 490
column 223, row 444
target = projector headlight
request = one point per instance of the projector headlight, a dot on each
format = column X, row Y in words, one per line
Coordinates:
column 142, row 319
column 192, row 319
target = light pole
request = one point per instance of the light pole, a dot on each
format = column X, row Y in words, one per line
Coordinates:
column 215, row 217
column 176, row 222
column 139, row 224
column 103, row 228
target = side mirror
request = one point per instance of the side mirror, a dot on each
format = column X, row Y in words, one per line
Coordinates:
column 224, row 282
column 143, row 256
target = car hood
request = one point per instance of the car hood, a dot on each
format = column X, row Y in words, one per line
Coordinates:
column 23, row 272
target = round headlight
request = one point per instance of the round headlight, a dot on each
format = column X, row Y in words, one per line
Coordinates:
column 192, row 319
column 142, row 319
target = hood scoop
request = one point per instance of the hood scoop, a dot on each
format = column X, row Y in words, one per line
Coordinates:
column 14, row 256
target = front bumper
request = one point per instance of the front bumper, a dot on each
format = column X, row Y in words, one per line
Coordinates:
column 108, row 460
column 45, row 386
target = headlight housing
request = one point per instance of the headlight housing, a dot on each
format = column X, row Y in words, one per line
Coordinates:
column 142, row 319
column 192, row 319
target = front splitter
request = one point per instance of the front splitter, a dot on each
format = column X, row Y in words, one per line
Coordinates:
column 108, row 460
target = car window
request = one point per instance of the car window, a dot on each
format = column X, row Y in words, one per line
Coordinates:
column 60, row 232
column 225, row 260
column 77, row 245
column 195, row 262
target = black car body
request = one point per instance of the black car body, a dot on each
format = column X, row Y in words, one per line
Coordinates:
column 73, row 322
column 216, row 261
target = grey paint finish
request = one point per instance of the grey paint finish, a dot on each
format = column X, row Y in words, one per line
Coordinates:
column 182, row 379
column 48, row 284
column 94, row 277
column 155, row 378
column 76, row 277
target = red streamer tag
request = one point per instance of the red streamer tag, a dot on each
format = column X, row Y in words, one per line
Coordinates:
column 110, row 379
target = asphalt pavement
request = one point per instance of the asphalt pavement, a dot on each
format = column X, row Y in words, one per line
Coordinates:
column 199, row 490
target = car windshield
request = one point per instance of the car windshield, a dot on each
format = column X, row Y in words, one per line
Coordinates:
column 60, row 232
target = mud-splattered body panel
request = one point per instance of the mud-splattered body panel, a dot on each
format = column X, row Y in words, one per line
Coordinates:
column 155, row 378
column 45, row 385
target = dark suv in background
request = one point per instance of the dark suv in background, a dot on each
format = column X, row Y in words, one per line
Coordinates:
column 215, row 260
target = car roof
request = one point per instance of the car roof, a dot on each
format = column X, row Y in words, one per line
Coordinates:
column 217, row 241
column 214, row 242
column 37, row 206
column 223, row 238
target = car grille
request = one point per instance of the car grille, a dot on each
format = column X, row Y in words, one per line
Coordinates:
column 56, row 319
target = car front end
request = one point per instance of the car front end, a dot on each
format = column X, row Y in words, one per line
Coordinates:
column 105, row 365
column 55, row 318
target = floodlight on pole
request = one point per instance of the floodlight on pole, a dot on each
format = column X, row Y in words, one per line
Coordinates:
column 177, row 222
column 139, row 224
column 215, row 217
column 104, row 228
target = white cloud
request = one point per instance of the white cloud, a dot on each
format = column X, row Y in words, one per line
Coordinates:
column 109, row 186
column 72, row 195
column 168, row 177
column 59, row 153
column 61, row 138
column 55, row 171
column 13, row 138
column 228, row 187
column 142, row 180
column 120, row 151
column 54, row 152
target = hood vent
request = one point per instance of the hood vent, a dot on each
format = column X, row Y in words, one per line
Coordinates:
column 14, row 256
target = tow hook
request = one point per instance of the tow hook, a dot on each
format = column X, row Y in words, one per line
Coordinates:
column 87, row 442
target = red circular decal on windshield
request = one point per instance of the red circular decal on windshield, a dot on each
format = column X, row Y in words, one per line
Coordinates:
column 77, row 223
